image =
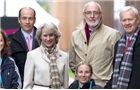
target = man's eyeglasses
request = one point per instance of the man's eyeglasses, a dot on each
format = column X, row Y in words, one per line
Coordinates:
column 88, row 13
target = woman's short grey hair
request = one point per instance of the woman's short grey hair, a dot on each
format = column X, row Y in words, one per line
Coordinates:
column 126, row 8
column 50, row 28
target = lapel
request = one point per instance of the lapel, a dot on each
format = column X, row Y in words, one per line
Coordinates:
column 44, row 56
column 20, row 39
column 138, row 39
column 83, row 33
column 81, row 27
column 35, row 43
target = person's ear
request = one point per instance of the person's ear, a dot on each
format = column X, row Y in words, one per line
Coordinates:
column 18, row 20
column 83, row 13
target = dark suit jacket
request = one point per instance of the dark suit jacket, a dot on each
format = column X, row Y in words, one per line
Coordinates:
column 19, row 49
column 135, row 75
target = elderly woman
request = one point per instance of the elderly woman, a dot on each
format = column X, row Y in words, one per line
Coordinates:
column 46, row 66
column 84, row 72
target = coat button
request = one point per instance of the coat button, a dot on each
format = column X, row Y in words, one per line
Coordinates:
column 85, row 54
column 85, row 42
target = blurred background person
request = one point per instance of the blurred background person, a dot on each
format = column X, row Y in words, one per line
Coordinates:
column 9, row 73
column 46, row 66
column 84, row 73
column 94, row 42
column 23, row 40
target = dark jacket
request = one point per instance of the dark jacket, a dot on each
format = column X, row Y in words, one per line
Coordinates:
column 10, row 75
column 19, row 49
column 75, row 85
column 134, row 82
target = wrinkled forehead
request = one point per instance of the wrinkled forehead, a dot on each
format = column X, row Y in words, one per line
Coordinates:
column 127, row 14
column 92, row 7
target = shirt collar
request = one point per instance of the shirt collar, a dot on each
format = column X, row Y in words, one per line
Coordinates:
column 90, row 31
column 129, row 37
column 26, row 34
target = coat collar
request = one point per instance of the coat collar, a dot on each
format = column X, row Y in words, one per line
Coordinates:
column 18, row 36
column 138, row 38
column 75, row 85
column 81, row 26
column 83, row 23
column 44, row 56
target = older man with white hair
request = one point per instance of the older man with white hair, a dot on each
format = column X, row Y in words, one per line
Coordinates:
column 127, row 52
column 94, row 42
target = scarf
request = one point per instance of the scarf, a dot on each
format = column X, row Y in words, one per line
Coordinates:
column 54, row 72
column 123, row 63
column 87, row 30
column 87, row 33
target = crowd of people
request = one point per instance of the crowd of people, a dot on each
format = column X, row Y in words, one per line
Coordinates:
column 99, row 56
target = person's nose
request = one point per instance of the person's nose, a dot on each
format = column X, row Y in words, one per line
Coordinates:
column 48, row 37
column 83, row 74
column 127, row 22
column 92, row 15
column 27, row 20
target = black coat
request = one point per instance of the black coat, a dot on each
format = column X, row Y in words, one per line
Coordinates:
column 134, row 82
column 10, row 74
column 75, row 85
column 19, row 49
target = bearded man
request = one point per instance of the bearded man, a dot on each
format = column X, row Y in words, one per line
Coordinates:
column 94, row 42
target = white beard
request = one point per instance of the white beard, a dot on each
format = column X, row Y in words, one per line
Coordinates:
column 93, row 24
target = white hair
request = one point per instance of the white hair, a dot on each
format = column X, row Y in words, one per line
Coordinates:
column 92, row 2
column 126, row 8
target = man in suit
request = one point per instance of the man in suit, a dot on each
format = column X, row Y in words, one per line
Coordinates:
column 94, row 42
column 19, row 41
column 127, row 53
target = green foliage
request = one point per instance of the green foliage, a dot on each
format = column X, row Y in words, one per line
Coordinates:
column 45, row 6
column 71, row 74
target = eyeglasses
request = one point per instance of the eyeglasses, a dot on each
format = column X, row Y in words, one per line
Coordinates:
column 88, row 13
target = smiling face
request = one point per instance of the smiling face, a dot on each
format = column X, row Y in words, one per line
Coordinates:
column 83, row 74
column 92, row 14
column 48, row 39
column 1, row 42
column 129, row 21
column 27, row 19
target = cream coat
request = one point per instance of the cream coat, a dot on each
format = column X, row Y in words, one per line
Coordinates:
column 37, row 69
column 99, row 52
